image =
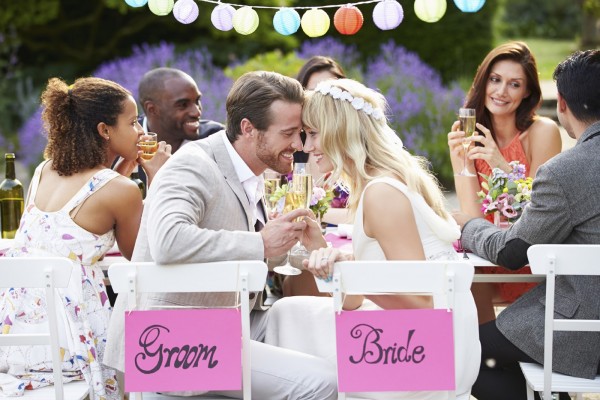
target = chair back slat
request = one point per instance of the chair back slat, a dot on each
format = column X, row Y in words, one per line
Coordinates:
column 199, row 277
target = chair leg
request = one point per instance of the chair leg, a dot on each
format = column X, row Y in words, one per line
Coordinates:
column 579, row 396
column 530, row 394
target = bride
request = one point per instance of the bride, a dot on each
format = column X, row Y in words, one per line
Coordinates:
column 398, row 215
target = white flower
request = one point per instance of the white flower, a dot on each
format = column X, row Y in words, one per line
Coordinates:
column 335, row 92
column 368, row 108
column 378, row 114
column 323, row 88
column 358, row 103
column 347, row 96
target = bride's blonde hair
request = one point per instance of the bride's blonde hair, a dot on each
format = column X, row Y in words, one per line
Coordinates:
column 357, row 142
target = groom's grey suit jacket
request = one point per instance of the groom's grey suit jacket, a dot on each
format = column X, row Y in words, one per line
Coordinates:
column 196, row 211
column 564, row 208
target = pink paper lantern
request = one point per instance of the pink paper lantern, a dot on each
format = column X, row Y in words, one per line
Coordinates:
column 185, row 11
column 222, row 17
column 388, row 15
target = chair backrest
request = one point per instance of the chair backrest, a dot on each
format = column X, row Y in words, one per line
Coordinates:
column 562, row 259
column 48, row 273
column 226, row 276
column 440, row 279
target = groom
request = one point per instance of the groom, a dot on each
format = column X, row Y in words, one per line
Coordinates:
column 206, row 205
column 564, row 208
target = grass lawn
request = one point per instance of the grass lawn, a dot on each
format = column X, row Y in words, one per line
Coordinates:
column 548, row 53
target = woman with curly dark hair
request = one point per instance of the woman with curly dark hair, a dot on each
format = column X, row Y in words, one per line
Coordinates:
column 77, row 206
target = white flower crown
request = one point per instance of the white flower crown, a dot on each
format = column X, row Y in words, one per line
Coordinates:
column 358, row 103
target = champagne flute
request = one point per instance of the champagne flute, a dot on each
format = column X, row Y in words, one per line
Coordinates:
column 297, row 197
column 149, row 144
column 466, row 117
column 272, row 183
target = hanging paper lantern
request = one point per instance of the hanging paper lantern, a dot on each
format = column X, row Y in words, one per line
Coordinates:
column 348, row 20
column 160, row 7
column 245, row 20
column 469, row 5
column 185, row 11
column 286, row 21
column 136, row 3
column 430, row 10
column 388, row 14
column 222, row 17
column 315, row 22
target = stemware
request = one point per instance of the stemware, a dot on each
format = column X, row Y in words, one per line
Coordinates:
column 466, row 117
column 297, row 197
column 272, row 183
column 149, row 144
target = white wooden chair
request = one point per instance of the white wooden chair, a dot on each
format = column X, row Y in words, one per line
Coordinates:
column 552, row 260
column 436, row 278
column 48, row 273
column 227, row 276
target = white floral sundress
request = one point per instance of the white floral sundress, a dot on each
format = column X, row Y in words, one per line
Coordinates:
column 83, row 321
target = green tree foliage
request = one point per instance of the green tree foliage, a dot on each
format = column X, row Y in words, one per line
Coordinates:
column 557, row 19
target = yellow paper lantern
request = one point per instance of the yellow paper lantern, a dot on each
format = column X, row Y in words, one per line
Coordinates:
column 245, row 20
column 315, row 22
column 430, row 10
column 160, row 7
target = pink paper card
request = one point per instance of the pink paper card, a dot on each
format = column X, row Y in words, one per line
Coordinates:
column 173, row 350
column 395, row 350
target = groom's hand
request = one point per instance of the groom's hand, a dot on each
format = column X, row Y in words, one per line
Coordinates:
column 281, row 233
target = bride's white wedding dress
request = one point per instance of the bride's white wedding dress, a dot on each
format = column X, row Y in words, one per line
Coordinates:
column 307, row 324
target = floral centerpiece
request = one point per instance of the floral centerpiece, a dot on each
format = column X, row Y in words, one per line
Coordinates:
column 505, row 194
column 320, row 200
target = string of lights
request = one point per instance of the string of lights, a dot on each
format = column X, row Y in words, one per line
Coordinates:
column 315, row 22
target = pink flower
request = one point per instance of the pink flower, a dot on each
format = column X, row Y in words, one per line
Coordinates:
column 509, row 212
column 318, row 194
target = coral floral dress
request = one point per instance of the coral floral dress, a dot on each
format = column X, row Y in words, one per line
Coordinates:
column 84, row 317
column 508, row 292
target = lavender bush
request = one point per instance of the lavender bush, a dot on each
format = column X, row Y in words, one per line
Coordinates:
column 422, row 108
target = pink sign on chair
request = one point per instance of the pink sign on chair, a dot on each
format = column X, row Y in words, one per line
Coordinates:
column 173, row 350
column 395, row 350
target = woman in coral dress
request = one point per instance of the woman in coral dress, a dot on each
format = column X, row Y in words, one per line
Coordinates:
column 505, row 94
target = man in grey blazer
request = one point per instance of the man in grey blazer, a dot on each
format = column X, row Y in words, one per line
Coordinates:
column 205, row 204
column 564, row 208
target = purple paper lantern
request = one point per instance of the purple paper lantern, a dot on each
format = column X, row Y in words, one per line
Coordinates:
column 469, row 5
column 286, row 21
column 136, row 3
column 222, row 17
column 185, row 11
column 388, row 14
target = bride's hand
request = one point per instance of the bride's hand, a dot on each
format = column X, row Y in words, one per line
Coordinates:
column 320, row 263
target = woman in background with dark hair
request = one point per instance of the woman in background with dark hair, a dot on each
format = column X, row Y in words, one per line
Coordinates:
column 505, row 95
column 77, row 206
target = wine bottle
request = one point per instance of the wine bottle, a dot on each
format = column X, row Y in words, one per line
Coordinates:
column 11, row 199
column 135, row 176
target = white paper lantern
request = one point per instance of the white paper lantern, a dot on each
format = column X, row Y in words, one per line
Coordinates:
column 388, row 14
column 222, row 17
column 430, row 10
column 286, row 21
column 245, row 20
column 136, row 3
column 160, row 7
column 469, row 5
column 185, row 11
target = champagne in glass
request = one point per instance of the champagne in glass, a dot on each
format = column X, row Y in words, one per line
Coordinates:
column 297, row 197
column 272, row 183
column 466, row 117
column 149, row 145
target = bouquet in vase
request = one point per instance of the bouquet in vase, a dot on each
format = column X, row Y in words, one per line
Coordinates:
column 505, row 195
